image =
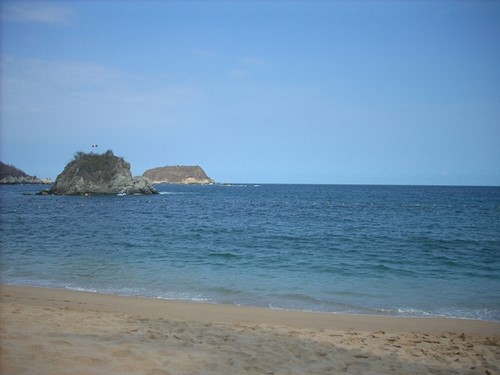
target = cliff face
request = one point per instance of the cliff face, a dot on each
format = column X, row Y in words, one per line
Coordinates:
column 12, row 175
column 178, row 175
column 99, row 174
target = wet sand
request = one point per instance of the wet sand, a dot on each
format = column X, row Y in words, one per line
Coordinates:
column 52, row 331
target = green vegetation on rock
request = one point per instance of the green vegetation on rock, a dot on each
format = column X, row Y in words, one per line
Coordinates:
column 98, row 167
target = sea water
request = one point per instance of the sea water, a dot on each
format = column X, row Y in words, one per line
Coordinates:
column 386, row 250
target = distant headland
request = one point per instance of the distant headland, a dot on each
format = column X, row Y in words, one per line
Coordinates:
column 188, row 175
column 11, row 175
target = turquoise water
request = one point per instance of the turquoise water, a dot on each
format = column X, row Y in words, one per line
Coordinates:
column 390, row 250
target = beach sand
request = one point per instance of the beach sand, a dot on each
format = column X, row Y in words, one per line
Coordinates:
column 52, row 331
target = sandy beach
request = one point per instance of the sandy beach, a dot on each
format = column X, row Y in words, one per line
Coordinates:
column 51, row 331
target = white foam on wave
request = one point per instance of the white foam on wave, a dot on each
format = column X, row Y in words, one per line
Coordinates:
column 79, row 289
column 177, row 296
column 203, row 300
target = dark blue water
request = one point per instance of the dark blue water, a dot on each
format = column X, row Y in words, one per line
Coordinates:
column 392, row 250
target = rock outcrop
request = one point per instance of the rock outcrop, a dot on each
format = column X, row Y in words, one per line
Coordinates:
column 12, row 175
column 99, row 174
column 178, row 175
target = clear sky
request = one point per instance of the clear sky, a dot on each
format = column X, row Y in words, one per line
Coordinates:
column 339, row 92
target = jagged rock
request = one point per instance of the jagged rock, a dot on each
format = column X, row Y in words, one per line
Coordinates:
column 178, row 175
column 99, row 174
column 12, row 175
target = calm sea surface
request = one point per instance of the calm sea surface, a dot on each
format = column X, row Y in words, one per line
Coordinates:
column 390, row 250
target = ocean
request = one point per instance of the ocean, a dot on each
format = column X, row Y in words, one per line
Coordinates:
column 379, row 250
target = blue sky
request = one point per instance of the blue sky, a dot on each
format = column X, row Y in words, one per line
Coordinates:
column 370, row 92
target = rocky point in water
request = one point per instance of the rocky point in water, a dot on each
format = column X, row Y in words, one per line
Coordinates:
column 178, row 175
column 99, row 174
column 12, row 175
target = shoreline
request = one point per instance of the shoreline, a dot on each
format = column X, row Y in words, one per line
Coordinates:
column 227, row 313
column 72, row 332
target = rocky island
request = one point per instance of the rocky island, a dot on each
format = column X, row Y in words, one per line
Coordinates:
column 178, row 175
column 92, row 173
column 12, row 175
